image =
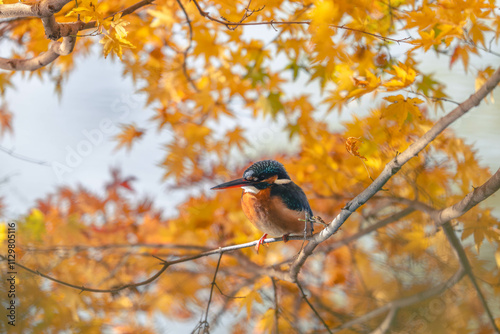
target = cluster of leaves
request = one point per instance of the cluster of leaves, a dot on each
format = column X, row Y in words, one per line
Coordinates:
column 111, row 240
column 194, row 69
column 194, row 64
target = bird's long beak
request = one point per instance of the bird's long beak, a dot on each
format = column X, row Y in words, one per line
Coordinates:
column 233, row 184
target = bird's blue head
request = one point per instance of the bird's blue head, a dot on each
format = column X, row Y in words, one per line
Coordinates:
column 260, row 175
column 265, row 169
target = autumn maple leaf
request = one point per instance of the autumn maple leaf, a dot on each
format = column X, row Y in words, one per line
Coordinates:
column 129, row 133
column 5, row 121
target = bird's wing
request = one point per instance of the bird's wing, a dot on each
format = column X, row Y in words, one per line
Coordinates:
column 292, row 196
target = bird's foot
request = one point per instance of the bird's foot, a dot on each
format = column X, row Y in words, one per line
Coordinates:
column 261, row 242
column 285, row 237
column 319, row 220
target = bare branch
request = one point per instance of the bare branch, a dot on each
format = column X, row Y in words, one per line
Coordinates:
column 386, row 324
column 83, row 288
column 53, row 30
column 166, row 264
column 43, row 8
column 22, row 157
column 55, row 50
column 186, row 51
column 464, row 261
column 311, row 306
column 126, row 11
column 384, row 222
column 472, row 199
column 203, row 326
column 79, row 248
column 230, row 25
column 276, row 305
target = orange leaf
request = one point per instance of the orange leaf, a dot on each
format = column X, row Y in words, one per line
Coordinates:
column 351, row 146
column 5, row 121
column 129, row 133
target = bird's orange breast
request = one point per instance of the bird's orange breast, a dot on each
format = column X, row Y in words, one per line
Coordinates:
column 270, row 215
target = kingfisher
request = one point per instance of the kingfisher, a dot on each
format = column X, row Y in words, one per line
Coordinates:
column 272, row 201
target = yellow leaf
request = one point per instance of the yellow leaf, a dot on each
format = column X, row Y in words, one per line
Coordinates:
column 251, row 297
column 88, row 11
column 397, row 98
column 267, row 321
column 3, row 231
column 482, row 77
column 401, row 108
column 236, row 137
column 403, row 76
column 114, row 43
column 119, row 25
column 162, row 17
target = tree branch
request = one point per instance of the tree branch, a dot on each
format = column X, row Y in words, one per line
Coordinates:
column 53, row 30
column 55, row 50
column 79, row 248
column 311, row 306
column 276, row 305
column 83, row 288
column 390, row 169
column 126, row 11
column 22, row 157
column 43, row 8
column 386, row 324
column 166, row 264
column 186, row 51
column 384, row 222
column 472, row 199
column 203, row 326
column 229, row 24
column 464, row 261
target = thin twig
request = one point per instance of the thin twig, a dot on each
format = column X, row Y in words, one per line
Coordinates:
column 23, row 157
column 166, row 264
column 186, row 51
column 384, row 222
column 276, row 306
column 273, row 22
column 204, row 325
column 227, row 296
column 434, row 98
column 124, row 12
column 464, row 261
column 82, row 248
column 386, row 324
column 83, row 288
column 311, row 306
